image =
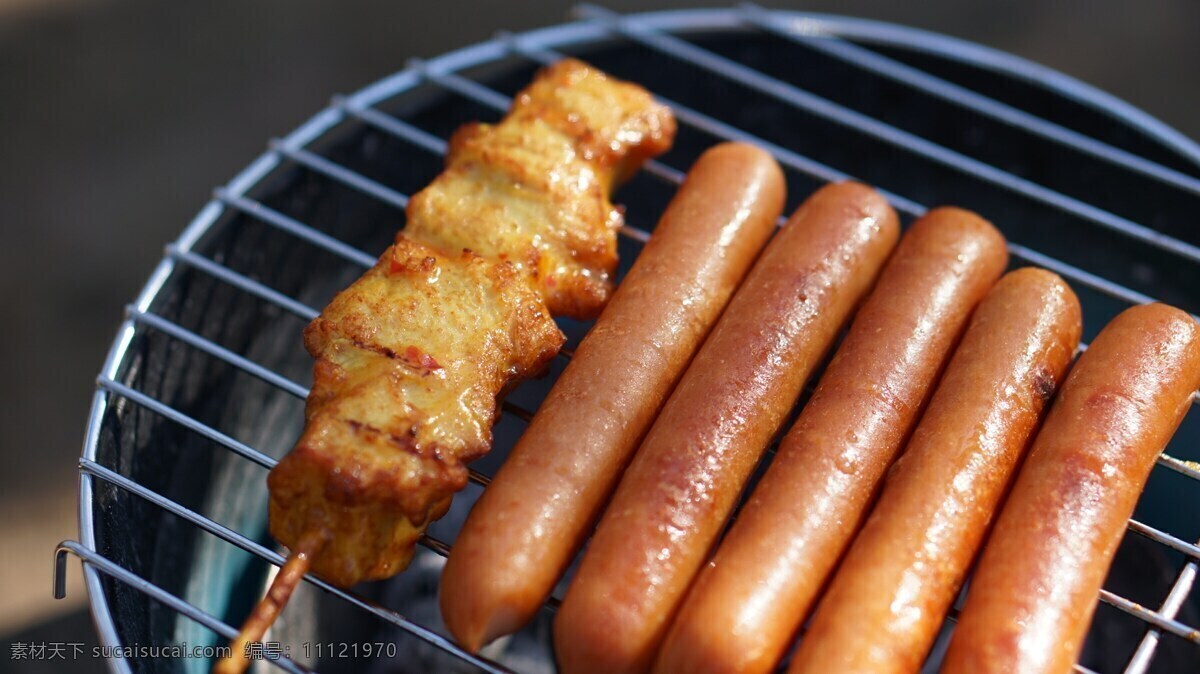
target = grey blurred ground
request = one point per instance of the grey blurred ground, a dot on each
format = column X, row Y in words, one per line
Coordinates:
column 118, row 118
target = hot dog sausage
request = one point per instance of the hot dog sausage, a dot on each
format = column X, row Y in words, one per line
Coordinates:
column 1032, row 598
column 532, row 518
column 890, row 594
column 749, row 601
column 685, row 478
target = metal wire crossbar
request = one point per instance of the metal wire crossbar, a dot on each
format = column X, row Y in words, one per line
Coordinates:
column 666, row 35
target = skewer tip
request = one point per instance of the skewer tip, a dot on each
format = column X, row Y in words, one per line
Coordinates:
column 272, row 603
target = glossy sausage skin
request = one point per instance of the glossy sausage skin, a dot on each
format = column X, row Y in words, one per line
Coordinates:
column 1031, row 600
column 891, row 592
column 685, row 479
column 747, row 604
column 532, row 518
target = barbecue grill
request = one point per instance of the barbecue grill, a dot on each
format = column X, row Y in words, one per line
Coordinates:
column 203, row 388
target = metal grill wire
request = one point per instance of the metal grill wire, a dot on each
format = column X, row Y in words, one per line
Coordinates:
column 209, row 359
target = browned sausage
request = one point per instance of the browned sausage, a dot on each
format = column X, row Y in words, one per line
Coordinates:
column 748, row 602
column 890, row 594
column 535, row 514
column 1032, row 598
column 685, row 478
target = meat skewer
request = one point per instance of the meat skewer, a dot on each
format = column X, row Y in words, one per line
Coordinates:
column 892, row 590
column 684, row 480
column 1031, row 600
column 747, row 603
column 535, row 513
column 412, row 358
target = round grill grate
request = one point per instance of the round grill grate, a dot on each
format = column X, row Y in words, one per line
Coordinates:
column 203, row 389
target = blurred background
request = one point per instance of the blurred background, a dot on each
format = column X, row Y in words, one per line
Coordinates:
column 119, row 118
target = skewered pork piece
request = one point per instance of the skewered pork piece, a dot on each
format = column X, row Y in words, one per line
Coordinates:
column 414, row 356
column 410, row 361
column 533, row 189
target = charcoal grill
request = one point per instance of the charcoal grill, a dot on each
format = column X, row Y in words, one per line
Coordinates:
column 203, row 387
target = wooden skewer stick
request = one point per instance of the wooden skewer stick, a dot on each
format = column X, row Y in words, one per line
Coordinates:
column 272, row 603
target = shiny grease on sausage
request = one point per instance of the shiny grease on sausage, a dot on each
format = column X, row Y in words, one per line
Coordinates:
column 1031, row 600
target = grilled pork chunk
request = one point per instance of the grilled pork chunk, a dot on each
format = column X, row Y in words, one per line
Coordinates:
column 414, row 356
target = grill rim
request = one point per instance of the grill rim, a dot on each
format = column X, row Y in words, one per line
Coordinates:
column 576, row 33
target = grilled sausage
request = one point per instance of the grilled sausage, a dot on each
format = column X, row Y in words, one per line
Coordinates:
column 1032, row 598
column 685, row 479
column 889, row 596
column 535, row 514
column 748, row 602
